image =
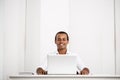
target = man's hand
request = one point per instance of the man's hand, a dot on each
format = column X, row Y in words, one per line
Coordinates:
column 40, row 71
column 85, row 71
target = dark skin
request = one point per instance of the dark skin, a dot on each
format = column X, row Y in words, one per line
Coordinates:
column 61, row 41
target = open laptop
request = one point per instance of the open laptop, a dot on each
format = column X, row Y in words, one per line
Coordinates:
column 61, row 64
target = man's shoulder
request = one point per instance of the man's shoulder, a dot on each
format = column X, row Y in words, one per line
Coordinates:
column 72, row 53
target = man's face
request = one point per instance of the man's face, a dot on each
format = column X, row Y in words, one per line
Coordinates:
column 61, row 41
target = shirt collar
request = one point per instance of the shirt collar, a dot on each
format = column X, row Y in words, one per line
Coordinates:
column 58, row 52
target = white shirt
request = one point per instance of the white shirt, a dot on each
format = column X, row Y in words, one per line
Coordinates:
column 80, row 65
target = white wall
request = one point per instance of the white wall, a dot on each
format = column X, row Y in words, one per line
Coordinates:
column 1, row 38
column 92, row 33
column 1, row 53
column 13, row 37
column 32, row 35
column 117, row 24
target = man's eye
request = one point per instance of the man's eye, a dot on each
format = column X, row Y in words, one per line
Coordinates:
column 59, row 39
column 64, row 39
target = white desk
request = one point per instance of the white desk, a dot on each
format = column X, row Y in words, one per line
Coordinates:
column 64, row 77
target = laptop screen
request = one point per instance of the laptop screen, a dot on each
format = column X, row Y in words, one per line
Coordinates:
column 61, row 64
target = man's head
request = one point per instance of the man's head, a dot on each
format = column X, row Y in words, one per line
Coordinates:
column 61, row 40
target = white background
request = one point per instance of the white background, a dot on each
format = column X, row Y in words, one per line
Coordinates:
column 28, row 27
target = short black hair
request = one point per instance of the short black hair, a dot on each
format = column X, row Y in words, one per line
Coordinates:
column 62, row 32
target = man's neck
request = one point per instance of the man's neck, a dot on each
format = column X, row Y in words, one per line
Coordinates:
column 62, row 51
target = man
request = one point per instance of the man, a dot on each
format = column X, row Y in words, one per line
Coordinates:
column 62, row 40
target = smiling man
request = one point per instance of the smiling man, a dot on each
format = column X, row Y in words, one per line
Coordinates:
column 62, row 40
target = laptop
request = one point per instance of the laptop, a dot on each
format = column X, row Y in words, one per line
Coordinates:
column 61, row 64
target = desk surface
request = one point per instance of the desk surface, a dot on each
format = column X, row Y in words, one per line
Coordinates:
column 64, row 77
column 57, row 76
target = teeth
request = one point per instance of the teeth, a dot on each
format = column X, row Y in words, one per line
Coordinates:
column 61, row 44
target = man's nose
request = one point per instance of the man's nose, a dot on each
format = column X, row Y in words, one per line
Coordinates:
column 61, row 41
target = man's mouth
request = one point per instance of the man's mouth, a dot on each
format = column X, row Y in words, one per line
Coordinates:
column 61, row 44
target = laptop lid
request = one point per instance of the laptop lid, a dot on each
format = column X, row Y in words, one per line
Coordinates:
column 61, row 64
